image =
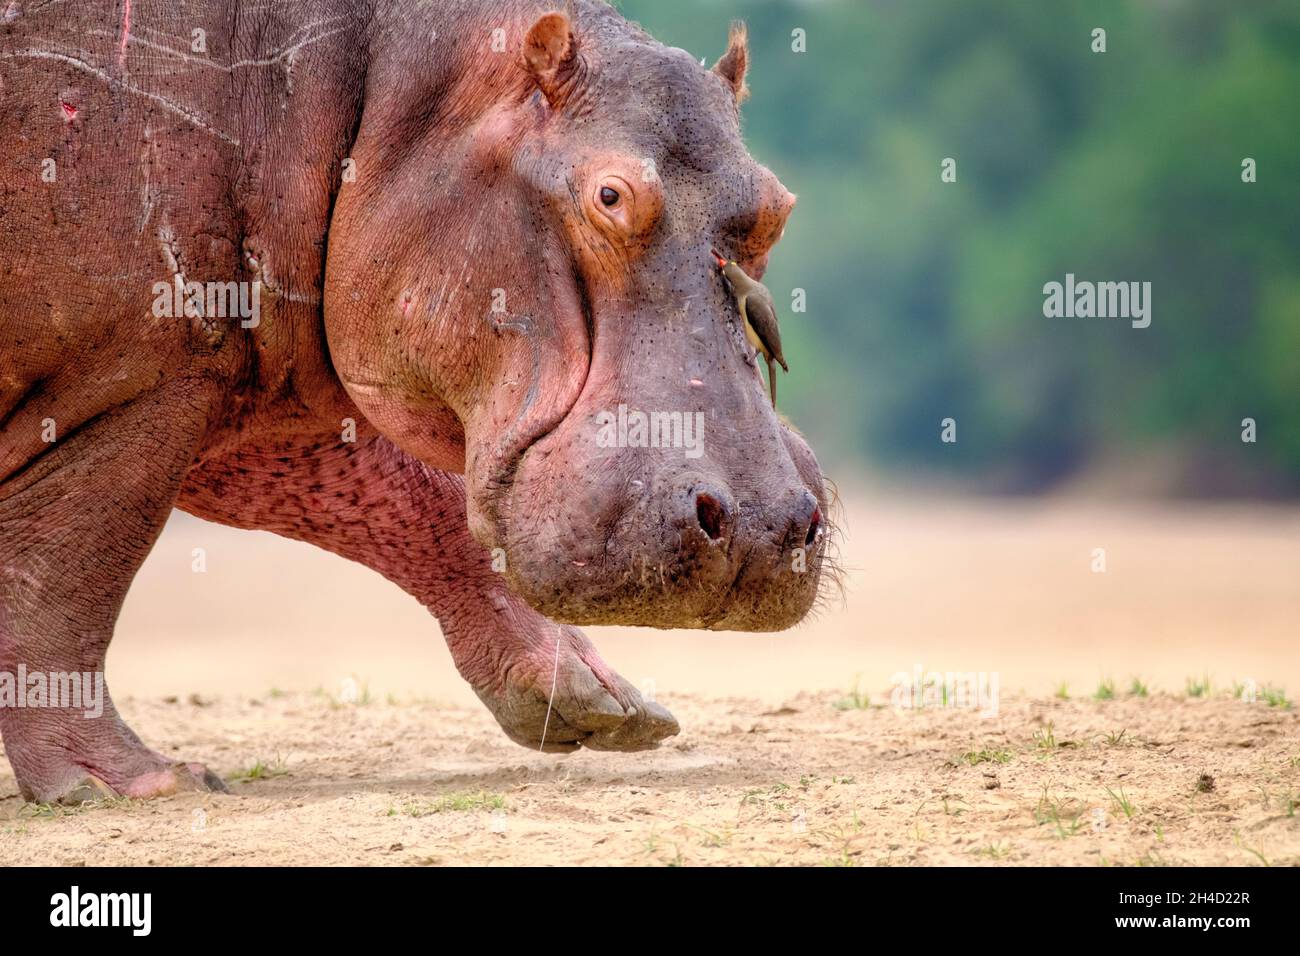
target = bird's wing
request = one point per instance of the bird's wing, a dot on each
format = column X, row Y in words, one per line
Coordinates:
column 759, row 312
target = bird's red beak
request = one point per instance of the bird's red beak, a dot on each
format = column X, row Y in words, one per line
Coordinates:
column 718, row 258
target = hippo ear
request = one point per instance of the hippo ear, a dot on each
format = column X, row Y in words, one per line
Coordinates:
column 550, row 55
column 731, row 67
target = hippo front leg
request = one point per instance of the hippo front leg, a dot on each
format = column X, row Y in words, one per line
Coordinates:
column 545, row 683
column 372, row 503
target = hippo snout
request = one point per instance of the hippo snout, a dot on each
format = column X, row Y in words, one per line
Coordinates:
column 709, row 508
column 668, row 547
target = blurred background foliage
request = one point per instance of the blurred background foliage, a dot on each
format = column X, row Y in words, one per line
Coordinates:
column 925, row 299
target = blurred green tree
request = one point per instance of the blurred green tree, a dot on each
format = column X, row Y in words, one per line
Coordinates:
column 925, row 298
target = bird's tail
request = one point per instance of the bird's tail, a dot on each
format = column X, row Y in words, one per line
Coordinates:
column 771, row 380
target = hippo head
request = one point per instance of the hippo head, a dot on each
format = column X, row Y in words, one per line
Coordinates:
column 520, row 285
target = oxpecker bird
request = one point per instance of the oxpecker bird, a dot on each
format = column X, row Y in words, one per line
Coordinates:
column 759, row 313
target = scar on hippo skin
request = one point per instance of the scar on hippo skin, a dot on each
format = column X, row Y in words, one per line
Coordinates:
column 149, row 192
column 256, row 260
column 126, row 36
column 67, row 157
column 207, row 331
column 118, row 85
column 523, row 324
column 285, row 56
column 70, row 104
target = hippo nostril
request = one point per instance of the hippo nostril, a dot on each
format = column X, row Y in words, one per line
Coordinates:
column 805, row 520
column 814, row 526
column 711, row 515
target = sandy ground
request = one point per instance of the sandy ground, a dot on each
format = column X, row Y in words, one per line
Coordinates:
column 777, row 762
column 1155, row 781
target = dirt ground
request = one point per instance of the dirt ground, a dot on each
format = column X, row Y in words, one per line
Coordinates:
column 791, row 750
column 1154, row 781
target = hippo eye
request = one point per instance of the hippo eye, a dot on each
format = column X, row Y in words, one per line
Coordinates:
column 618, row 208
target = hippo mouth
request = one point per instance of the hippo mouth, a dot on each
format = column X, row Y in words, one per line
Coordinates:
column 648, row 534
column 727, row 601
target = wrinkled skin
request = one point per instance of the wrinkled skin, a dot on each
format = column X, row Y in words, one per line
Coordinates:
column 449, row 301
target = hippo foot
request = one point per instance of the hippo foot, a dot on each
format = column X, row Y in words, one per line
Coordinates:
column 88, row 788
column 592, row 706
column 178, row 778
column 71, row 761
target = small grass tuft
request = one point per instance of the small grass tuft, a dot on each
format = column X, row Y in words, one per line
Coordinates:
column 977, row 757
column 451, row 803
column 260, row 770
column 856, row 699
column 713, row 838
column 1105, row 690
column 1198, row 687
column 1123, row 802
column 1045, row 739
column 1257, row 852
column 1275, row 697
column 53, row 810
column 1051, row 810
column 952, row 811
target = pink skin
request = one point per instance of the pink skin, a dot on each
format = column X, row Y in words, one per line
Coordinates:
column 370, row 502
column 63, row 575
column 474, row 426
column 598, row 306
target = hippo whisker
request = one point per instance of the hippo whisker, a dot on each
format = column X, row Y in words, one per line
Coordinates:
column 832, row 589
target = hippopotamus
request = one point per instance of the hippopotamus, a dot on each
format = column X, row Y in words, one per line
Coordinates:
column 406, row 281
